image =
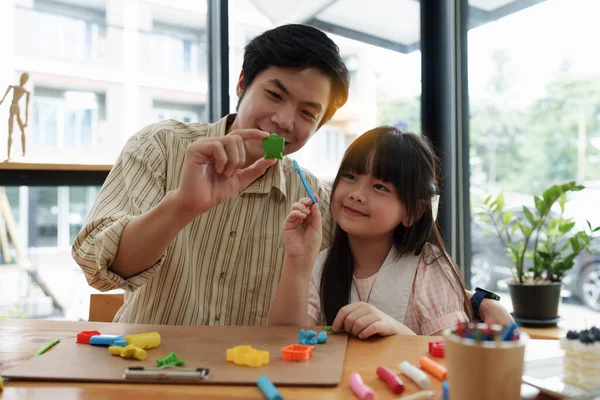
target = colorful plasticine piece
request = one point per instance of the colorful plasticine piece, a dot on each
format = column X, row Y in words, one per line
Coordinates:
column 145, row 341
column 391, row 379
column 329, row 329
column 273, row 146
column 133, row 351
column 130, row 351
column 415, row 374
column 268, row 389
column 248, row 356
column 422, row 395
column 116, row 350
column 104, row 340
column 84, row 336
column 297, row 352
column 322, row 337
column 436, row 349
column 435, row 369
column 307, row 337
column 359, row 388
column 170, row 359
column 1, row 383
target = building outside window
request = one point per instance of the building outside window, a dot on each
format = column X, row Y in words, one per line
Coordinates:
column 99, row 71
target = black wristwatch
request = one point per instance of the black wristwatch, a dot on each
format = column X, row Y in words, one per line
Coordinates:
column 478, row 296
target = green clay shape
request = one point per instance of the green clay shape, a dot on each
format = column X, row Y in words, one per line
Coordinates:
column 273, row 146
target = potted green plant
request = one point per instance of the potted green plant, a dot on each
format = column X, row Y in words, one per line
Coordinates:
column 542, row 247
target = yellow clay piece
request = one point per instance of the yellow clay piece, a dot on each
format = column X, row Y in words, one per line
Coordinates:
column 116, row 350
column 145, row 341
column 130, row 351
column 248, row 356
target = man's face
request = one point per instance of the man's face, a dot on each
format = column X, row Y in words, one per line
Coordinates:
column 290, row 102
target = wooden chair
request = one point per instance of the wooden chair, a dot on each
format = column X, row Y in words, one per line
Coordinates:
column 103, row 307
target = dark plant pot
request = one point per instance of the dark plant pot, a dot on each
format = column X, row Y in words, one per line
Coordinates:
column 536, row 302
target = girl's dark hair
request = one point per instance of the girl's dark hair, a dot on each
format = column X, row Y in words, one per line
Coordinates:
column 408, row 161
column 296, row 45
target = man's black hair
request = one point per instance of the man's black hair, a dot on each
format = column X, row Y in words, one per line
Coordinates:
column 296, row 45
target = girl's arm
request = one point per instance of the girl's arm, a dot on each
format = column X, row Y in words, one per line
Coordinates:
column 302, row 236
column 492, row 310
column 291, row 299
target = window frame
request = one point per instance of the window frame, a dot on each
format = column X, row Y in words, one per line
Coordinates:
column 444, row 26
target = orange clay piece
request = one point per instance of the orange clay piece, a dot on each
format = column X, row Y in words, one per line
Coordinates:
column 248, row 356
column 434, row 368
column 297, row 352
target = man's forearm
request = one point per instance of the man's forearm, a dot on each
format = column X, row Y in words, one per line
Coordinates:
column 146, row 237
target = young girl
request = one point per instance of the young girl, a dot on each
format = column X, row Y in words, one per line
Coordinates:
column 387, row 271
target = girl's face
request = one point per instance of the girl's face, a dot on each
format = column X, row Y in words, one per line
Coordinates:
column 367, row 207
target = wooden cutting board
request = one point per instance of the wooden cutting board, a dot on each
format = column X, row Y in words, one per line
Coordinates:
column 200, row 347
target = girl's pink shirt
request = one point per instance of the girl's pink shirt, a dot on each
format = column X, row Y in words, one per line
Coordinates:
column 434, row 304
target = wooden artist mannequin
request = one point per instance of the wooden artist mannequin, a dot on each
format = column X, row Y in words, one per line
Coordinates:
column 15, row 111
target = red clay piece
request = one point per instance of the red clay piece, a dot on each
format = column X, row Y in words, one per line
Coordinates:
column 84, row 337
column 436, row 349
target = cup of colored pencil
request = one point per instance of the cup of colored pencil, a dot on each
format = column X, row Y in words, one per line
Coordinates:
column 485, row 361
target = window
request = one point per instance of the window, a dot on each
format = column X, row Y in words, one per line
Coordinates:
column 80, row 201
column 49, row 217
column 535, row 121
column 385, row 75
column 61, row 30
column 96, row 67
column 99, row 71
column 65, row 119
column 334, row 145
column 43, row 206
column 187, row 113
column 177, row 50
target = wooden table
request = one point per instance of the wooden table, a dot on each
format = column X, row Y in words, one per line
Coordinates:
column 553, row 333
column 19, row 339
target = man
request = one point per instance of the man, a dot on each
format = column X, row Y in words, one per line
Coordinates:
column 189, row 220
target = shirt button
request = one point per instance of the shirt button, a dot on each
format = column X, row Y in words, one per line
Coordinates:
column 223, row 275
column 232, row 233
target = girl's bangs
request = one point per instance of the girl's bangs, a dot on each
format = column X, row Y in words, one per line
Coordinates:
column 379, row 150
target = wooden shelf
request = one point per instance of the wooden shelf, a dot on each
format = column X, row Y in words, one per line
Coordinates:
column 45, row 166
column 52, row 171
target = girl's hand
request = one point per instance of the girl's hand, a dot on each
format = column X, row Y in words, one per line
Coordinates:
column 364, row 320
column 303, row 230
column 491, row 310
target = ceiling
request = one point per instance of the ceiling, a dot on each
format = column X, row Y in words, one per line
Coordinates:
column 392, row 24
